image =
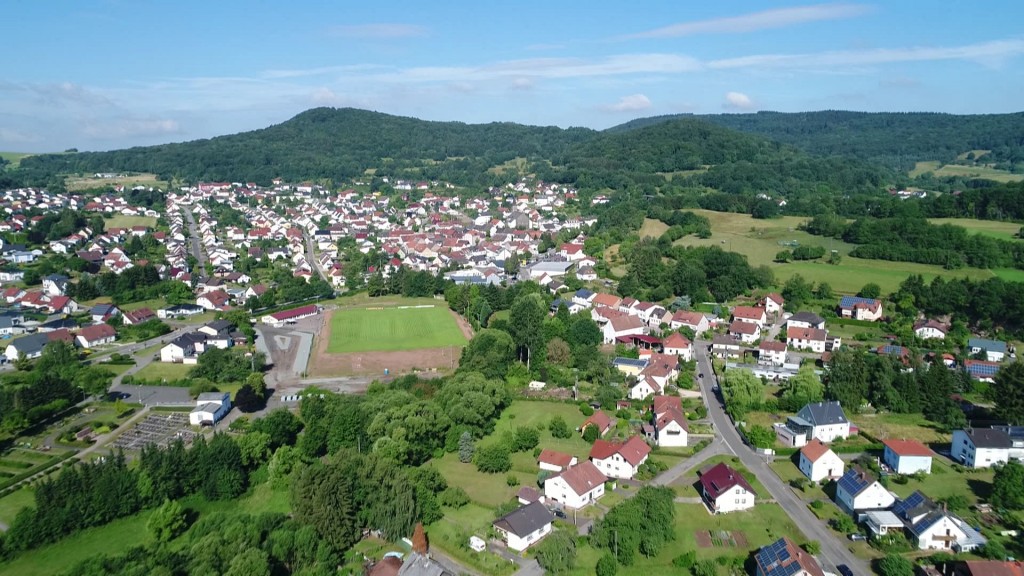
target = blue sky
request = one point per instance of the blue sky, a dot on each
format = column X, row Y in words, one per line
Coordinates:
column 105, row 74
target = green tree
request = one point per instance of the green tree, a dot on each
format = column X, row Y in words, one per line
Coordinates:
column 846, row 378
column 526, row 322
column 783, row 256
column 558, row 352
column 824, row 291
column 492, row 459
column 255, row 447
column 804, row 387
column 797, row 291
column 558, row 427
column 606, row 566
column 167, row 521
column 526, row 438
column 466, row 448
column 760, row 436
column 1008, row 393
column 895, row 565
column 490, row 352
column 870, row 290
column 1008, row 486
column 591, row 434
column 512, row 264
column 704, row 568
column 557, row 552
column 742, row 391
column 249, row 562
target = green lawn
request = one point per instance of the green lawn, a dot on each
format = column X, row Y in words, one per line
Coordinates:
column 452, row 533
column 1010, row 274
column 764, row 524
column 944, row 482
column 122, row 534
column 905, row 426
column 759, row 241
column 154, row 304
column 14, row 158
column 685, row 484
column 164, row 371
column 11, row 504
column 993, row 228
column 378, row 328
column 122, row 221
column 978, row 172
column 653, row 228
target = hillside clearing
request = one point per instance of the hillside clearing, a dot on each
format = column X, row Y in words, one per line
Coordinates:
column 992, row 228
column 949, row 170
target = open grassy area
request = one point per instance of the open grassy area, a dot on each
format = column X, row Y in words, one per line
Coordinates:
column 86, row 181
column 948, row 170
column 1010, row 274
column 652, row 228
column 993, row 228
column 903, row 426
column 452, row 533
column 379, row 328
column 154, row 305
column 11, row 504
column 122, row 221
column 944, row 482
column 490, row 490
column 163, row 371
column 122, row 534
column 14, row 158
column 761, row 240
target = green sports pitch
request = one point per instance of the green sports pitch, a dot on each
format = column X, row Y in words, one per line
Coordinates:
column 393, row 328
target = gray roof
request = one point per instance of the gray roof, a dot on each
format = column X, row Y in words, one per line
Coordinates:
column 987, row 345
column 219, row 325
column 989, row 438
column 552, row 266
column 808, row 317
column 525, row 520
column 418, row 565
column 823, row 413
column 31, row 344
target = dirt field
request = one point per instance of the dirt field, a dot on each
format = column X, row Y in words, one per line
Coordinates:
column 435, row 360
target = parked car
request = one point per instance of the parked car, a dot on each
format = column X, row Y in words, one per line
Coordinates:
column 858, row 537
column 559, row 512
column 844, row 570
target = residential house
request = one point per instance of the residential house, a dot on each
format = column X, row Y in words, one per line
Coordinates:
column 858, row 491
column 671, row 428
column 771, row 353
column 982, row 370
column 620, row 460
column 745, row 332
column 524, row 526
column 136, row 317
column 555, row 461
column 104, row 312
column 989, row 568
column 214, row 300
column 622, row 326
column 182, row 347
column 907, row 456
column 629, row 366
column 825, row 421
column 773, row 304
column 933, row 527
column 96, row 335
column 576, row 486
column 30, row 346
column 599, row 419
column 813, row 339
column 751, row 314
column 678, row 345
column 55, row 285
column 818, row 462
column 210, row 408
column 784, row 558
column 688, row 319
column 994, row 350
column 981, row 447
column 930, row 329
column 726, row 490
column 859, row 308
column 290, row 316
column 583, row 297
column 805, row 320
column 723, row 346
column 179, row 310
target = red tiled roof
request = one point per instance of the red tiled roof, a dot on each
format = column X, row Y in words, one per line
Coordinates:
column 583, row 477
column 555, row 458
column 907, row 447
column 599, row 419
column 814, row 449
column 633, row 450
column 720, row 478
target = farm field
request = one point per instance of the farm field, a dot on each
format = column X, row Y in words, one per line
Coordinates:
column 84, row 182
column 14, row 158
column 759, row 241
column 393, row 328
column 946, row 170
column 653, row 228
column 906, row 426
column 122, row 221
column 992, row 228
column 168, row 371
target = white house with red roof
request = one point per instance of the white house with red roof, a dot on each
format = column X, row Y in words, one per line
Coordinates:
column 751, row 314
column 622, row 326
column 746, row 332
column 930, row 329
column 289, row 316
column 813, row 339
column 620, row 460
column 773, row 304
column 576, row 486
column 726, row 490
column 554, row 460
column 669, row 422
column 678, row 345
column 818, row 461
column 140, row 316
column 688, row 319
column 214, row 300
column 907, row 456
column 96, row 335
column 599, row 419
column 771, row 353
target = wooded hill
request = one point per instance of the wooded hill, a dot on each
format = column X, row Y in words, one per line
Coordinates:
column 896, row 140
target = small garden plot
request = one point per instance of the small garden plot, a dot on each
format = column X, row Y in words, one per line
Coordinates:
column 159, row 429
column 720, row 539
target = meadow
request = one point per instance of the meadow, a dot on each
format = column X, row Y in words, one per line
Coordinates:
column 393, row 328
column 761, row 240
column 85, row 182
column 14, row 158
column 122, row 221
column 948, row 170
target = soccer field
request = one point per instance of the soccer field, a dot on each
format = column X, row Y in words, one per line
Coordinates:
column 393, row 328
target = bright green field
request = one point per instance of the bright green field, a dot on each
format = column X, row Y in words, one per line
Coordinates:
column 164, row 371
column 969, row 171
column 758, row 240
column 393, row 328
column 14, row 158
column 992, row 228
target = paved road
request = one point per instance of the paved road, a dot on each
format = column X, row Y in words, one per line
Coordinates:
column 833, row 548
column 194, row 240
column 311, row 256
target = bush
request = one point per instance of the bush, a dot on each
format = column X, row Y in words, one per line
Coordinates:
column 817, row 504
column 586, row 410
column 812, row 547
column 685, row 560
column 512, row 480
column 453, row 497
column 559, row 429
column 492, row 459
column 526, row 438
column 606, row 566
column 591, row 434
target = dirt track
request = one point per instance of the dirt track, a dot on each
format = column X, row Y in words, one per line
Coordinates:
column 431, row 360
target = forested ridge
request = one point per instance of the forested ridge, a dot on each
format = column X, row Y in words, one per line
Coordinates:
column 893, row 139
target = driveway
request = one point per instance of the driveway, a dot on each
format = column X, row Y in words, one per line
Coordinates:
column 833, row 548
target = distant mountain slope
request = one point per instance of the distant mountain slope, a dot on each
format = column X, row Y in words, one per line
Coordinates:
column 322, row 143
column 898, row 140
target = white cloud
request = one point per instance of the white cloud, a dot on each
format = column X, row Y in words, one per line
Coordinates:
column 130, row 127
column 631, row 103
column 521, row 84
column 989, row 53
column 324, row 97
column 382, row 31
column 767, row 19
column 737, row 101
